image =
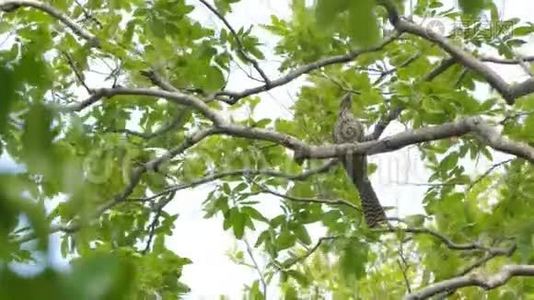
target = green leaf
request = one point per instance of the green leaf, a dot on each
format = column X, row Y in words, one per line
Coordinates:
column 46, row 285
column 449, row 162
column 237, row 220
column 301, row 278
column 7, row 94
column 363, row 23
column 285, row 240
column 327, row 11
column 100, row 277
column 473, row 7
column 254, row 213
column 224, row 6
column 37, row 139
column 354, row 256
column 302, row 234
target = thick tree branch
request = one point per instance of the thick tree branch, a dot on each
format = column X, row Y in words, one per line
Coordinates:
column 475, row 125
column 302, row 150
column 174, row 96
column 10, row 5
column 486, row 282
column 159, row 81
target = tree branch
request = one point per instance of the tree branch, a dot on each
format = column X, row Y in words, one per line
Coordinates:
column 478, row 263
column 488, row 172
column 394, row 113
column 240, row 46
column 407, row 62
column 243, row 172
column 474, row 246
column 302, row 150
column 404, row 267
column 177, row 97
column 10, row 5
column 263, row 280
column 30, row 236
column 291, row 262
column 310, row 200
column 491, row 254
column 382, row 124
column 134, row 179
column 233, row 97
column 508, row 91
column 159, row 81
column 505, row 61
column 160, row 131
column 77, row 72
column 153, row 225
column 486, row 282
column 475, row 125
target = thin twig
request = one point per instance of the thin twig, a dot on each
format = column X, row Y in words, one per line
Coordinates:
column 159, row 132
column 488, row 172
column 404, row 64
column 232, row 97
column 310, row 200
column 238, row 41
column 77, row 72
column 243, row 172
column 288, row 264
column 11, row 5
column 257, row 268
column 88, row 15
column 445, row 240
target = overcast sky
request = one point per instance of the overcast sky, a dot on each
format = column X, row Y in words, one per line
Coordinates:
column 204, row 241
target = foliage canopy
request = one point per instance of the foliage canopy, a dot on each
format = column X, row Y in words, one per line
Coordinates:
column 114, row 107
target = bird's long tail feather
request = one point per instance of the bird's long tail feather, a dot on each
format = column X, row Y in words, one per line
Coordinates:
column 356, row 168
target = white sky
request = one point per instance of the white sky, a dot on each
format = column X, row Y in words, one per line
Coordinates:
column 203, row 241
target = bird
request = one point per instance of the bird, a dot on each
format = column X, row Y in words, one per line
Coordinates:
column 348, row 129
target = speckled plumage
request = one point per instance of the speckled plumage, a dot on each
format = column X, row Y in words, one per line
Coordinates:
column 349, row 130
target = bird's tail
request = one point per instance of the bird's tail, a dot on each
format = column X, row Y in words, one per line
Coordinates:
column 356, row 168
